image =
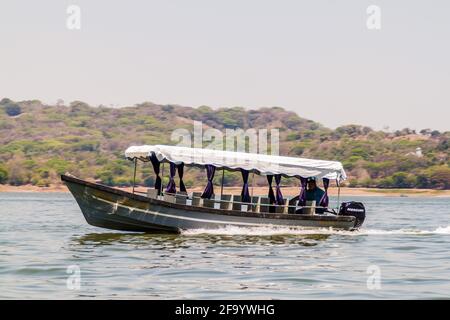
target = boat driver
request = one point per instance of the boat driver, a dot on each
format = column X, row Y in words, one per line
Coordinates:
column 314, row 193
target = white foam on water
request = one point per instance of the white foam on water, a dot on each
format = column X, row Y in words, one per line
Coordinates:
column 442, row 230
column 270, row 231
column 438, row 230
column 257, row 231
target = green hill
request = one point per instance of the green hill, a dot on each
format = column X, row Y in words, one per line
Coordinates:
column 38, row 142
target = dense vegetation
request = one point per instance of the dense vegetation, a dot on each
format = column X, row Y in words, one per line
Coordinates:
column 39, row 142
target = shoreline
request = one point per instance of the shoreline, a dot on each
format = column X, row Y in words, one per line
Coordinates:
column 287, row 191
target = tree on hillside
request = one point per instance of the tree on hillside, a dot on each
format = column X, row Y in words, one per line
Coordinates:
column 78, row 106
column 404, row 132
column 439, row 177
column 435, row 133
column 3, row 174
column 352, row 130
column 12, row 109
column 5, row 101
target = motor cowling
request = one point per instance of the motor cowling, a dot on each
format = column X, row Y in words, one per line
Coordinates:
column 353, row 208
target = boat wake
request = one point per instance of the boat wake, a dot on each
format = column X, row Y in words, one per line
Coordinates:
column 271, row 231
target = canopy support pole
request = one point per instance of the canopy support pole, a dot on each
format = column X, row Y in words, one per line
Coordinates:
column 221, row 186
column 339, row 194
column 253, row 183
column 162, row 179
column 134, row 176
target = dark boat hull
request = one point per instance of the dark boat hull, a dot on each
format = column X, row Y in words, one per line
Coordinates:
column 115, row 209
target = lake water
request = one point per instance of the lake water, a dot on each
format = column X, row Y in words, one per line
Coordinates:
column 403, row 251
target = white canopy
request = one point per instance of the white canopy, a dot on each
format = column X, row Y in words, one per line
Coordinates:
column 259, row 163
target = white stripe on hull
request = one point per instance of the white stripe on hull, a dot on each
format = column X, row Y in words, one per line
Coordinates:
column 196, row 219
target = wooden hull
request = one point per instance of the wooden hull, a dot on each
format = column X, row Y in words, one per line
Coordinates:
column 115, row 209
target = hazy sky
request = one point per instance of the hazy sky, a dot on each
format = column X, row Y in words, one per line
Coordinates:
column 315, row 57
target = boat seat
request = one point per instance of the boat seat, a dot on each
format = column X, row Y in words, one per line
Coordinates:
column 263, row 207
column 169, row 198
column 196, row 198
column 238, row 205
column 209, row 203
column 283, row 208
column 310, row 208
column 152, row 193
column 286, row 205
column 279, row 209
column 292, row 204
column 226, row 202
column 181, row 198
column 255, row 204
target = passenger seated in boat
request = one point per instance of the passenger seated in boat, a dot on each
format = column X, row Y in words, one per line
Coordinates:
column 314, row 193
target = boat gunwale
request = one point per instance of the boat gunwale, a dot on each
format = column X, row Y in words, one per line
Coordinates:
column 263, row 215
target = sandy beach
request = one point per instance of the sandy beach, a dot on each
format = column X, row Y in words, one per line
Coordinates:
column 287, row 191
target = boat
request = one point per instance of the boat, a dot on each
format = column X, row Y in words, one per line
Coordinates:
column 166, row 209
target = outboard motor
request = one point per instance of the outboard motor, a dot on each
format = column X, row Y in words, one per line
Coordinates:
column 353, row 208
